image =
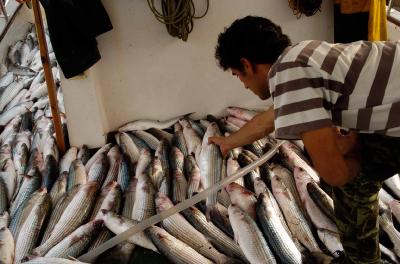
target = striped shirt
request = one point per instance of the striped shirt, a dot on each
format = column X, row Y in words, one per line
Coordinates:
column 354, row 86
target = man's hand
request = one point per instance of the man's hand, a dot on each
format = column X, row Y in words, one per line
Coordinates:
column 222, row 142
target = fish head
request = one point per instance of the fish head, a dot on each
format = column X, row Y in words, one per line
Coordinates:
column 163, row 202
column 259, row 186
column 177, row 127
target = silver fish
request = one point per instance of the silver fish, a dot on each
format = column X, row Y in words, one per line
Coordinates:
column 99, row 169
column 144, row 206
column 9, row 177
column 16, row 100
column 331, row 240
column 129, row 147
column 30, row 229
column 177, row 226
column 114, row 160
column 129, row 198
column 148, row 138
column 118, row 224
column 48, row 260
column 177, row 159
column 249, row 237
column 73, row 216
column 57, row 211
column 84, row 154
column 147, row 123
column 275, row 233
column 156, row 172
column 178, row 139
column 387, row 225
column 77, row 174
column 218, row 238
column 75, row 243
column 294, row 158
column 125, row 172
column 296, row 220
column 11, row 113
column 161, row 134
column 7, row 79
column 210, row 164
column 318, row 218
column 193, row 172
column 174, row 249
column 192, row 139
column 109, row 199
column 179, row 187
column 243, row 198
column 241, row 113
column 59, row 188
column 11, row 91
column 103, row 149
column 67, row 159
column 162, row 153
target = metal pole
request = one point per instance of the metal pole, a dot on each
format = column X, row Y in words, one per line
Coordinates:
column 48, row 74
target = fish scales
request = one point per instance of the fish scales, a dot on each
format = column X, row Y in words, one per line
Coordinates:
column 174, row 249
column 118, row 224
column 125, row 173
column 73, row 216
column 210, row 164
column 249, row 237
column 294, row 216
column 77, row 174
column 58, row 210
column 30, row 229
column 114, row 158
column 144, row 206
column 218, row 238
column 275, row 233
column 178, row 139
column 179, row 187
column 177, row 226
column 59, row 188
column 99, row 169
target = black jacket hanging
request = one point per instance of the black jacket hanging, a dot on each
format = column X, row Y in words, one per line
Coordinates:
column 73, row 27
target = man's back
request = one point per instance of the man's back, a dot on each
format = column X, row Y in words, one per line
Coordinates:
column 356, row 85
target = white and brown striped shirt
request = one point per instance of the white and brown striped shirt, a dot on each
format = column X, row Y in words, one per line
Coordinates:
column 355, row 86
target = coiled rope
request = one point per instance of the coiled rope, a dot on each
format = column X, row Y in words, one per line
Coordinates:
column 177, row 15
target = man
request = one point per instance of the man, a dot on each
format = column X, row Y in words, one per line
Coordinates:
column 316, row 88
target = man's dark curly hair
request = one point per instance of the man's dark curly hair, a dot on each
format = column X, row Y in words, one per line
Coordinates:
column 257, row 39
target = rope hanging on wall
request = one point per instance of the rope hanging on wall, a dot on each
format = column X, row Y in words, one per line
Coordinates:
column 177, row 15
column 306, row 7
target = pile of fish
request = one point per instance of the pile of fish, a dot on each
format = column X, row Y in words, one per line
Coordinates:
column 54, row 208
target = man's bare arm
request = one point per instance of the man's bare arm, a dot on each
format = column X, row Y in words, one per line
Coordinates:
column 258, row 127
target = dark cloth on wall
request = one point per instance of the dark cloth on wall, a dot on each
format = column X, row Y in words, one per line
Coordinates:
column 73, row 26
column 350, row 27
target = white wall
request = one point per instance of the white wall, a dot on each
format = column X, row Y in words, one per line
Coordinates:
column 145, row 73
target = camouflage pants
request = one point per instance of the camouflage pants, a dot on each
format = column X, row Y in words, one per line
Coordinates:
column 356, row 203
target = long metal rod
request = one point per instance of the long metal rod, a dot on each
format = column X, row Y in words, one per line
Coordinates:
column 91, row 255
column 48, row 75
